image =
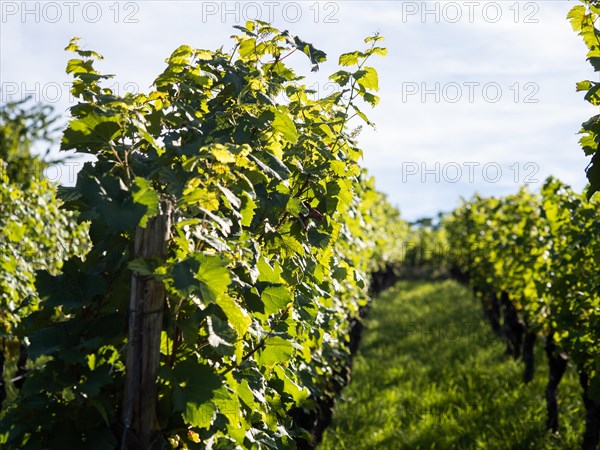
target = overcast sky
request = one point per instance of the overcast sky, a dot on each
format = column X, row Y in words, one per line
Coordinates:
column 476, row 96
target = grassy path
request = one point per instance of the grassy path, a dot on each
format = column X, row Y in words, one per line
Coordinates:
column 430, row 374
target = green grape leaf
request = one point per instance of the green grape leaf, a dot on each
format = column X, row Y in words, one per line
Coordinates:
column 91, row 133
column 285, row 125
column 367, row 78
column 144, row 194
column 276, row 350
column 195, row 385
column 275, row 298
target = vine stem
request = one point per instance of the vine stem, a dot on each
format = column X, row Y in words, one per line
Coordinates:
column 350, row 101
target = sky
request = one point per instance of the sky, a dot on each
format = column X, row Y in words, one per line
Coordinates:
column 476, row 96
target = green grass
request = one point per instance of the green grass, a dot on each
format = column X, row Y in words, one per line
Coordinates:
column 430, row 374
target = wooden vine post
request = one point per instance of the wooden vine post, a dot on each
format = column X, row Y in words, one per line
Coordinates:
column 146, row 307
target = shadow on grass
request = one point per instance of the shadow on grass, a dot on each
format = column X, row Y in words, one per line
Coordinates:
column 430, row 374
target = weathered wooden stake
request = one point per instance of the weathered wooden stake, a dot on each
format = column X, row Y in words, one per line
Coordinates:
column 146, row 305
